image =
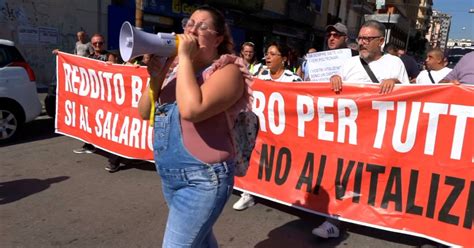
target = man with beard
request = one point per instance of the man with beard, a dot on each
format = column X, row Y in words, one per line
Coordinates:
column 371, row 66
column 386, row 69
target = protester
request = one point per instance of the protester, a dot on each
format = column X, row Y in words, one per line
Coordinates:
column 336, row 37
column 411, row 66
column 294, row 61
column 436, row 69
column 146, row 58
column 370, row 40
column 247, row 52
column 193, row 146
column 101, row 54
column 276, row 59
column 391, row 48
column 83, row 47
column 463, row 72
column 112, row 58
column 302, row 72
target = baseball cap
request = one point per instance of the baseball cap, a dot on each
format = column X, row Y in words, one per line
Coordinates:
column 338, row 27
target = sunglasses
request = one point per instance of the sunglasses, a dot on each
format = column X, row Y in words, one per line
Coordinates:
column 336, row 35
column 100, row 43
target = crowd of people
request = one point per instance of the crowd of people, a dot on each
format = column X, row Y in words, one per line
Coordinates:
column 195, row 92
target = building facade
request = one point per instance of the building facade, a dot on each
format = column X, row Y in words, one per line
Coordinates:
column 38, row 27
column 438, row 33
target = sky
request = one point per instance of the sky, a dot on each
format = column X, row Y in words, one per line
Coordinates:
column 462, row 22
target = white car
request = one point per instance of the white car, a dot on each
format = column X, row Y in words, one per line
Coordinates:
column 19, row 102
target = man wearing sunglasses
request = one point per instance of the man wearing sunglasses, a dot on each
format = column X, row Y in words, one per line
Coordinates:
column 336, row 37
column 100, row 53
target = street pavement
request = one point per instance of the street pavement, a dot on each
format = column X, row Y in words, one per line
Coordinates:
column 51, row 197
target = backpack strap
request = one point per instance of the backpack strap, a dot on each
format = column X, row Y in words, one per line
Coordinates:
column 369, row 71
column 431, row 77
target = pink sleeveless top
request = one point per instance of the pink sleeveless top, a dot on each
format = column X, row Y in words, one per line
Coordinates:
column 210, row 140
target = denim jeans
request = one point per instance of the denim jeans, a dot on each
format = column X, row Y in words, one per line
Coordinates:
column 195, row 192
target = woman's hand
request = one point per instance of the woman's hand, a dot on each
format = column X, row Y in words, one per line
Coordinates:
column 188, row 46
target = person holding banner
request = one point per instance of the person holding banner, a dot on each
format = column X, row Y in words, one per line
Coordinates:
column 371, row 64
column 276, row 61
column 369, row 67
column 199, row 92
column 463, row 72
column 302, row 71
column 276, row 58
column 98, row 53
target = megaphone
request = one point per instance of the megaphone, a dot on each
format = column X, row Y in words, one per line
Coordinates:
column 134, row 43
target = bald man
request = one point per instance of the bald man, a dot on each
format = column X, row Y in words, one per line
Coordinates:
column 436, row 69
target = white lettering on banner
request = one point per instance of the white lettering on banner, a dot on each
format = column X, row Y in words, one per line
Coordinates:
column 347, row 120
column 462, row 113
column 95, row 84
column 276, row 98
column 344, row 120
column 324, row 118
column 303, row 117
column 382, row 107
column 130, row 132
column 137, row 86
column 258, row 106
column 105, row 86
column 84, row 118
column 398, row 145
column 434, row 110
column 70, row 118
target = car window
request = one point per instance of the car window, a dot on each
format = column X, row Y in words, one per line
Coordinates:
column 9, row 54
column 4, row 57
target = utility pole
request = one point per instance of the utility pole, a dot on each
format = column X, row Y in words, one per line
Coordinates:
column 139, row 14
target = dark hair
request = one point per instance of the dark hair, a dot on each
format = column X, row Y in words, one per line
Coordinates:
column 375, row 24
column 391, row 47
column 282, row 48
column 227, row 44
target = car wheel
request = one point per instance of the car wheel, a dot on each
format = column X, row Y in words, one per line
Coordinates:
column 9, row 124
column 50, row 105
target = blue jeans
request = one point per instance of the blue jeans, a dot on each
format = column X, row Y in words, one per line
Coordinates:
column 195, row 192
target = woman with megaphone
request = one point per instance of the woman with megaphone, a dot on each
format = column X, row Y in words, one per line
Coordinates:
column 195, row 93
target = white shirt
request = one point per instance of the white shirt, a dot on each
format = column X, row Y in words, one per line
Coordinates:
column 386, row 67
column 424, row 78
column 286, row 76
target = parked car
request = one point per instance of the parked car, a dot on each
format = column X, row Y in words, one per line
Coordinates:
column 456, row 53
column 19, row 102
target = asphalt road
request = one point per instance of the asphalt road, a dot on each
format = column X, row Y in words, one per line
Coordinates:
column 51, row 197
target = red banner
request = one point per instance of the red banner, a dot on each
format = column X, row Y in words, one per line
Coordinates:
column 97, row 103
column 401, row 162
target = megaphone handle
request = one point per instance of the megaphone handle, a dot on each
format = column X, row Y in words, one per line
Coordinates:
column 152, row 106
